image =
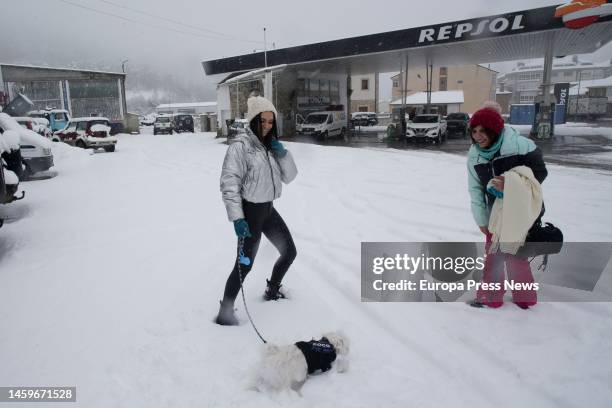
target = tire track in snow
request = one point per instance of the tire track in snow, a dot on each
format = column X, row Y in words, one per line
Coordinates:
column 490, row 387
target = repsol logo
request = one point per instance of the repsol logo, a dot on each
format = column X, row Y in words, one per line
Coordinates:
column 563, row 96
column 459, row 31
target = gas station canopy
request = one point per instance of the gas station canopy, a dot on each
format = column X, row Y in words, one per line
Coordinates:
column 505, row 37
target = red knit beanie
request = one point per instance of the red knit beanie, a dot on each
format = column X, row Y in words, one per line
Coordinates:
column 489, row 119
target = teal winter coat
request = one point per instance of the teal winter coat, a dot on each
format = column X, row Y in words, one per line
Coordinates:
column 515, row 150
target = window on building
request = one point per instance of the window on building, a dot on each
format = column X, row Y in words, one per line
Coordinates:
column 365, row 84
column 443, row 84
column 527, row 98
column 597, row 92
column 334, row 86
column 324, row 85
column 313, row 85
column 396, row 83
column 443, row 71
column 363, row 109
column 530, row 76
column 460, row 81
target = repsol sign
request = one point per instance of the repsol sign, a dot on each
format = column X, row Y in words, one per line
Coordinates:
column 460, row 31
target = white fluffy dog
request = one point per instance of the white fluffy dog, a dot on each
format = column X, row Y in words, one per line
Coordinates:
column 287, row 367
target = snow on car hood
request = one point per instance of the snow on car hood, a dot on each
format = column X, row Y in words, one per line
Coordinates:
column 29, row 137
column 9, row 140
column 23, row 135
column 9, row 177
column 100, row 128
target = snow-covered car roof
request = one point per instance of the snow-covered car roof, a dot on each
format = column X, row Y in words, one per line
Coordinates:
column 89, row 118
column 9, row 123
column 47, row 111
column 26, row 135
column 41, row 121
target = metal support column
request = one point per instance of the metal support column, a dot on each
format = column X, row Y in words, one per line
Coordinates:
column 429, row 68
column 376, row 92
column 268, row 91
column 349, row 91
column 546, row 114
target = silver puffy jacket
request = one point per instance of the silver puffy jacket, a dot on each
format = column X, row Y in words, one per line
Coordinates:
column 252, row 173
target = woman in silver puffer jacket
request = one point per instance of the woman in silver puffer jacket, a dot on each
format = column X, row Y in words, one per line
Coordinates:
column 255, row 166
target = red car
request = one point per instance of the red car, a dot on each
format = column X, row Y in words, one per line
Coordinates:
column 90, row 132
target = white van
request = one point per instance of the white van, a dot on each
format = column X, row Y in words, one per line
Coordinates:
column 35, row 149
column 324, row 125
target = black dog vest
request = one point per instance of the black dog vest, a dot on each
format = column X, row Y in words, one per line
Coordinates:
column 319, row 354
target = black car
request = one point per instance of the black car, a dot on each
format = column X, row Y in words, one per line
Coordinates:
column 457, row 124
column 182, row 123
column 364, row 119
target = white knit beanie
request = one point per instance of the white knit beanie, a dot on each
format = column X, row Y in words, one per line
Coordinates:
column 258, row 104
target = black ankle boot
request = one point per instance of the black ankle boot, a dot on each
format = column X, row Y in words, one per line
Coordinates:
column 273, row 291
column 226, row 316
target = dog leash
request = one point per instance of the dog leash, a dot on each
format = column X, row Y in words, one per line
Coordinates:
column 245, row 260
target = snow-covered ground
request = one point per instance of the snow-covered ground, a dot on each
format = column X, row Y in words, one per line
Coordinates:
column 110, row 275
column 573, row 129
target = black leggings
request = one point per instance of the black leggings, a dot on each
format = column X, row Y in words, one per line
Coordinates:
column 262, row 218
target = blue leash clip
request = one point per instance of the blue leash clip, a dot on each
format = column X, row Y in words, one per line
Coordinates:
column 244, row 260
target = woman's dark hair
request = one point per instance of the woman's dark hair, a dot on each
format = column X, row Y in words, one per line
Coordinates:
column 491, row 134
column 255, row 126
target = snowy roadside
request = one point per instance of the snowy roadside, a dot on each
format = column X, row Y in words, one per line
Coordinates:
column 110, row 275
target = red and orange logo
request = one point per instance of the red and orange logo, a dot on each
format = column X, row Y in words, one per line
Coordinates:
column 582, row 13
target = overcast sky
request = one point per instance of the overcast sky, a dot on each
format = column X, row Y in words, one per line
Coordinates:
column 59, row 33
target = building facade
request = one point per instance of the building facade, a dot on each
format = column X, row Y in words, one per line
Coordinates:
column 524, row 80
column 364, row 93
column 191, row 108
column 80, row 92
column 476, row 82
column 294, row 92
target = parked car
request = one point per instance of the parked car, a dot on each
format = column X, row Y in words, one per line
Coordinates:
column 147, row 120
column 427, row 127
column 457, row 123
column 163, row 124
column 182, row 122
column 88, row 132
column 35, row 150
column 43, row 127
column 58, row 118
column 364, row 119
column 26, row 122
column 324, row 125
column 38, row 125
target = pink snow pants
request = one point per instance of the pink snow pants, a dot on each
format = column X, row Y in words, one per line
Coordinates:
column 518, row 269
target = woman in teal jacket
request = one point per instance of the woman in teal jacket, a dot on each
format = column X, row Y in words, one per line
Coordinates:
column 496, row 149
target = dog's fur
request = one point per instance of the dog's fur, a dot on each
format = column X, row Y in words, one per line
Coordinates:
column 284, row 367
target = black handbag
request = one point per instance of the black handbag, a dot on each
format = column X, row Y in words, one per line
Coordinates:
column 542, row 239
